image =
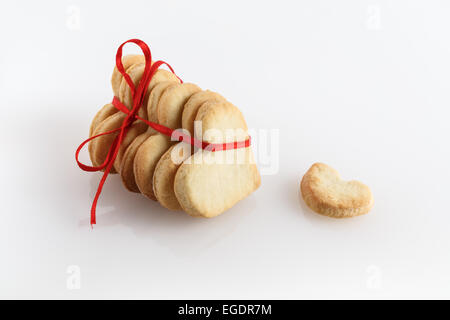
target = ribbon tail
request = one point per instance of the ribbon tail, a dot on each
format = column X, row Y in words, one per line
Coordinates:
column 99, row 191
column 110, row 162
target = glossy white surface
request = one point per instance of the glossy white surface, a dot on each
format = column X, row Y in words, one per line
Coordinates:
column 360, row 85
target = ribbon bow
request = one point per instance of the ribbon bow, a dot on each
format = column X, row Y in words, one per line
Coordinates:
column 138, row 94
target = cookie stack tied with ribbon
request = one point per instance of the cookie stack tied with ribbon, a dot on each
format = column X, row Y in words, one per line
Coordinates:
column 185, row 147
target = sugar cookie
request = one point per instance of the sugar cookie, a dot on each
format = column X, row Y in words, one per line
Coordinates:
column 154, row 97
column 171, row 104
column 164, row 175
column 224, row 118
column 208, row 183
column 99, row 147
column 126, row 167
column 147, row 156
column 193, row 104
column 326, row 193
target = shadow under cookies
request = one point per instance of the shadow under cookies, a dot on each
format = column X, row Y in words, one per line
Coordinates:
column 147, row 219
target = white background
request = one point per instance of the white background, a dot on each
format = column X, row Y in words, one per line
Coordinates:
column 363, row 86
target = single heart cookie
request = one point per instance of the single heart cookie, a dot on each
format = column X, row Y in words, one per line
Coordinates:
column 326, row 193
column 126, row 167
column 208, row 183
column 99, row 147
column 164, row 175
column 193, row 105
column 147, row 156
column 221, row 122
column 153, row 99
column 171, row 104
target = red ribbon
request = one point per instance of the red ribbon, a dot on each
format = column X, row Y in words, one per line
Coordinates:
column 138, row 94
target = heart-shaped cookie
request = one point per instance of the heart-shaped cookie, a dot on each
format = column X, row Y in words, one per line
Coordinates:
column 153, row 99
column 326, row 193
column 164, row 175
column 126, row 168
column 99, row 147
column 172, row 101
column 147, row 156
column 208, row 183
column 193, row 105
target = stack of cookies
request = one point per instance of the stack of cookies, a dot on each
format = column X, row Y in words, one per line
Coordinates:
column 180, row 177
